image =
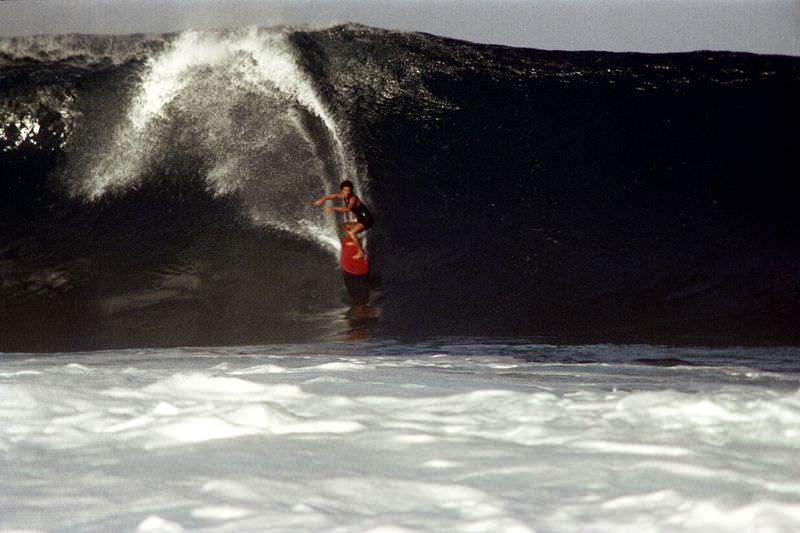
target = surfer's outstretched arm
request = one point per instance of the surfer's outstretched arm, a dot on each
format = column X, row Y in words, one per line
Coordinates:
column 339, row 208
column 326, row 198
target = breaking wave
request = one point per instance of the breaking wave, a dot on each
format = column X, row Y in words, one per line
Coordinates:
column 156, row 190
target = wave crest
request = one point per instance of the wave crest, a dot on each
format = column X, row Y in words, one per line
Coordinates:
column 234, row 110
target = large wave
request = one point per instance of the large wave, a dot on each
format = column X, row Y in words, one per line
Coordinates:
column 156, row 189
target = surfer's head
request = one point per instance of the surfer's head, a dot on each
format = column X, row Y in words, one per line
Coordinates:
column 347, row 188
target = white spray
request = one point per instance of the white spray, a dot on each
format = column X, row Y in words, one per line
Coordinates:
column 239, row 98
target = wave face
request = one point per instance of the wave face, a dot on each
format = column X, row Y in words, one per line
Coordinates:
column 156, row 190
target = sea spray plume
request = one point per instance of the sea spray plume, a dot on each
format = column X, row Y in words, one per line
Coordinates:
column 238, row 113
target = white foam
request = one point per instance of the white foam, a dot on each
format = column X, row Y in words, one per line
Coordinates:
column 340, row 366
column 196, row 383
column 221, row 512
column 219, row 441
column 440, row 463
column 630, row 449
column 260, row 369
column 156, row 524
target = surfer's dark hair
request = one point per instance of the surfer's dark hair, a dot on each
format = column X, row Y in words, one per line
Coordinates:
column 347, row 183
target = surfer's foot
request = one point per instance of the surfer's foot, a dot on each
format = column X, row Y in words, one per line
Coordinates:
column 358, row 256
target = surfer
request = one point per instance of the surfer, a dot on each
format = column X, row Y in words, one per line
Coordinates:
column 352, row 204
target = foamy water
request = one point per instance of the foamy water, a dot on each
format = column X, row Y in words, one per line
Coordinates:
column 319, row 439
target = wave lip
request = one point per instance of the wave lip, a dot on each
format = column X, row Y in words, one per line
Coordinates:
column 82, row 49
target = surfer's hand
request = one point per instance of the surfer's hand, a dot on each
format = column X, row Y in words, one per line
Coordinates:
column 328, row 209
column 318, row 203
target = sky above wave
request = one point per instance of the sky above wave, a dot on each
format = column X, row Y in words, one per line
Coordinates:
column 762, row 26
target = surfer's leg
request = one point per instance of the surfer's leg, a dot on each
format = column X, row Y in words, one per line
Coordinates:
column 353, row 230
column 347, row 227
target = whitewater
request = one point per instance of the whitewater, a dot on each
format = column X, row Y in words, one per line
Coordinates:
column 390, row 437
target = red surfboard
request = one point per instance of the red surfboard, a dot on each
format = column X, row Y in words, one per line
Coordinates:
column 352, row 266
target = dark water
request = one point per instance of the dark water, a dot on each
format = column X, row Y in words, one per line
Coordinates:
column 155, row 190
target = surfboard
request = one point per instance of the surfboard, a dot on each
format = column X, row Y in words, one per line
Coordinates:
column 352, row 266
column 355, row 273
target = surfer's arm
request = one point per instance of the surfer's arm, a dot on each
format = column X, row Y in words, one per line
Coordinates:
column 325, row 199
column 341, row 208
column 337, row 208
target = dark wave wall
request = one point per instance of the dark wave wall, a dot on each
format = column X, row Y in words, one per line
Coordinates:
column 155, row 190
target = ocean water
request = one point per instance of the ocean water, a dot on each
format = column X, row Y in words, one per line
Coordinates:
column 584, row 280
column 450, row 435
column 155, row 190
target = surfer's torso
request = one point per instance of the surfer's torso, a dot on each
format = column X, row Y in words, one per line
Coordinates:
column 361, row 212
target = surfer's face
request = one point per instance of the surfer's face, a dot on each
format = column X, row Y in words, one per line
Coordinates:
column 346, row 192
